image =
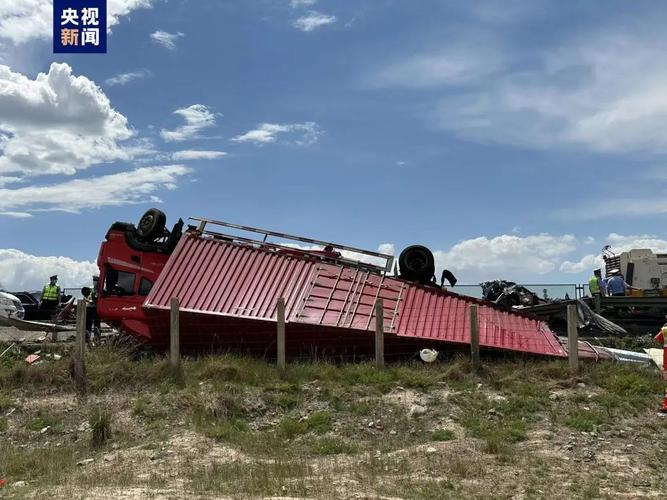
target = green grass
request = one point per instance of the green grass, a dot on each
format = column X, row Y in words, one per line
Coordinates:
column 316, row 413
column 44, row 419
column 6, row 403
column 332, row 446
column 280, row 478
column 229, row 431
column 100, row 426
column 46, row 465
column 584, row 421
column 443, row 435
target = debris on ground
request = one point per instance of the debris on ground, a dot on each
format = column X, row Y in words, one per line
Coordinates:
column 32, row 358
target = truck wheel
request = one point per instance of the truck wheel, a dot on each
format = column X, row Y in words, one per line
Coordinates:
column 416, row 263
column 152, row 224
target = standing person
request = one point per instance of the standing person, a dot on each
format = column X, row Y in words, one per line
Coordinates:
column 661, row 338
column 50, row 294
column 594, row 283
column 616, row 285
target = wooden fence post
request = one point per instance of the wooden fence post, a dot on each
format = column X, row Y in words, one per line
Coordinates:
column 175, row 336
column 80, row 348
column 474, row 337
column 573, row 337
column 280, row 333
column 379, row 334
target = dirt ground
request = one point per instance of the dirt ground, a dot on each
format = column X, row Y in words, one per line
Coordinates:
column 230, row 427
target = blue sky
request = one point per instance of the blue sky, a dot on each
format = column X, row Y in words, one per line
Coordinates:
column 513, row 138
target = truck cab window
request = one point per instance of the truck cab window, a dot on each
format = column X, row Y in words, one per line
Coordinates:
column 119, row 282
column 145, row 286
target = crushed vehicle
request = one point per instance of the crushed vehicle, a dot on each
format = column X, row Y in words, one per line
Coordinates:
column 10, row 306
column 228, row 286
column 509, row 294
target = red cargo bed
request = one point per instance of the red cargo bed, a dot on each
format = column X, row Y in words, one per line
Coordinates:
column 228, row 293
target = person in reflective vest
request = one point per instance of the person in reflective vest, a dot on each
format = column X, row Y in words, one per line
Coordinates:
column 50, row 294
column 594, row 283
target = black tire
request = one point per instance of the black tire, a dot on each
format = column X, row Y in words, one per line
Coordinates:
column 416, row 263
column 152, row 224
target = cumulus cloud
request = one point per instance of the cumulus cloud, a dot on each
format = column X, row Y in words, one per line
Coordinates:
column 618, row 243
column 197, row 117
column 586, row 264
column 505, row 257
column 22, row 271
column 125, row 78
column 313, row 20
column 167, row 40
column 57, row 123
column 24, row 20
column 197, row 154
column 136, row 186
column 300, row 134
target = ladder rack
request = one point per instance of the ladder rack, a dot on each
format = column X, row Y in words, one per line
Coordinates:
column 291, row 248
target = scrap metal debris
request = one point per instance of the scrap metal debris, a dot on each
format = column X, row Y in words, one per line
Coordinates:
column 591, row 321
column 509, row 294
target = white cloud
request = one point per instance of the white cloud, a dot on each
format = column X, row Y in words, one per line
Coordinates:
column 197, row 117
column 619, row 243
column 510, row 257
column 136, row 186
column 167, row 40
column 621, row 208
column 622, row 243
column 313, row 20
column 16, row 215
column 295, row 4
column 8, row 180
column 387, row 248
column 456, row 65
column 125, row 78
column 586, row 264
column 24, row 20
column 57, row 123
column 195, row 154
column 22, row 271
column 301, row 134
column 600, row 90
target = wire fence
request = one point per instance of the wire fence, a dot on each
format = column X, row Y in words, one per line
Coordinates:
column 543, row 290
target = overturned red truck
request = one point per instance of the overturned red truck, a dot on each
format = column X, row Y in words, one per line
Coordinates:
column 228, row 286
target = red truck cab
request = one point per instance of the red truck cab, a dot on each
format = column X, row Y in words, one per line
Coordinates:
column 130, row 261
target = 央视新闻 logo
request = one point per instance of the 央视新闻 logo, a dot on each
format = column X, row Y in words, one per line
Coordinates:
column 79, row 26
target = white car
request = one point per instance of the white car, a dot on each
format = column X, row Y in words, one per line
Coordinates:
column 10, row 306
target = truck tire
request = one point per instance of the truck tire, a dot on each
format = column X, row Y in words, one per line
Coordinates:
column 416, row 263
column 151, row 225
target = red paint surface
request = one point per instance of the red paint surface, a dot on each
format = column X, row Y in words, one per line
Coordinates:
column 230, row 290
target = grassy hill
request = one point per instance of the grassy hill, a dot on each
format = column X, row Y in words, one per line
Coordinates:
column 231, row 426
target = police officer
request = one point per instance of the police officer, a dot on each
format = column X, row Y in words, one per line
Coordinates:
column 50, row 294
